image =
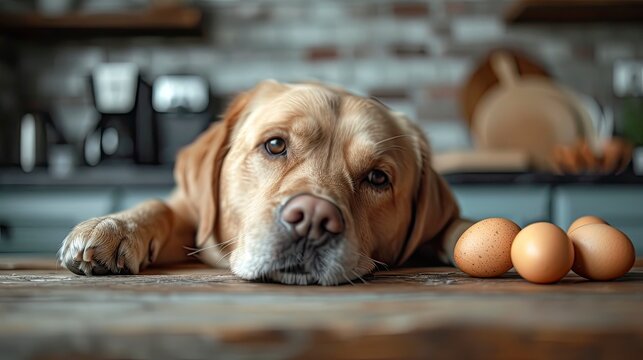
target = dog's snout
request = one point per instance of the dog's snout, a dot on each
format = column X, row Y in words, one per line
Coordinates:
column 312, row 217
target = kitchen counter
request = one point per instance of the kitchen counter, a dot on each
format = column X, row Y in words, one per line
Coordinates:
column 162, row 176
column 37, row 211
column 541, row 178
column 91, row 176
column 197, row 312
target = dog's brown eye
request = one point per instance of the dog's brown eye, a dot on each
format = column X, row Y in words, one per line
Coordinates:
column 378, row 178
column 276, row 146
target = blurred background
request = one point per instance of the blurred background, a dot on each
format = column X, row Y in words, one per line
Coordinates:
column 534, row 108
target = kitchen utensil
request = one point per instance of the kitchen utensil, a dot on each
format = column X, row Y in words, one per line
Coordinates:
column 602, row 120
column 37, row 134
column 33, row 141
column 530, row 113
column 484, row 78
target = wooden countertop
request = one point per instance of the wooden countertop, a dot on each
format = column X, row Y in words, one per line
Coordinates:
column 196, row 312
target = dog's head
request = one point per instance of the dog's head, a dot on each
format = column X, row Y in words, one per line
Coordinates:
column 307, row 183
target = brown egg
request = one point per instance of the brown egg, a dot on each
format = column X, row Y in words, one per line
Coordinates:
column 542, row 253
column 602, row 252
column 484, row 249
column 584, row 220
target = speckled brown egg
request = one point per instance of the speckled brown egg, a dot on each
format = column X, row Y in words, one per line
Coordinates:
column 585, row 220
column 484, row 249
column 602, row 252
column 542, row 253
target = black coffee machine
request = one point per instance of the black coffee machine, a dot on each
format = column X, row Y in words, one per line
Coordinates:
column 126, row 131
column 183, row 108
column 145, row 124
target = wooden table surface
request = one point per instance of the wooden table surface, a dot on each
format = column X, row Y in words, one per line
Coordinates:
column 197, row 312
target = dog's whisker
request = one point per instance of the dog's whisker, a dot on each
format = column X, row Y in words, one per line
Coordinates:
column 359, row 277
column 392, row 138
column 196, row 251
column 367, row 268
column 223, row 245
column 364, row 269
column 373, row 261
column 343, row 272
column 347, row 279
column 389, row 149
column 224, row 256
column 231, row 240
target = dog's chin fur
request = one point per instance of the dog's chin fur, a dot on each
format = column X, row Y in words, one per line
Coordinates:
column 324, row 279
column 293, row 278
column 334, row 264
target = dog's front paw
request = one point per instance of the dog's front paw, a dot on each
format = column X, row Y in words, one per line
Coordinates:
column 108, row 245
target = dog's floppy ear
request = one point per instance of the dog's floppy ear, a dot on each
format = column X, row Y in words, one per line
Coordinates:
column 434, row 207
column 199, row 164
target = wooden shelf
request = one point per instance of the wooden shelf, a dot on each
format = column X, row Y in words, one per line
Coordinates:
column 162, row 21
column 575, row 11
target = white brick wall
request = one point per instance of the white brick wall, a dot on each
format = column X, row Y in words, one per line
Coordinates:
column 365, row 45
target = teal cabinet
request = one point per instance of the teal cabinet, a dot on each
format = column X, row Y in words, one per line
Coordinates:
column 38, row 219
column 522, row 204
column 129, row 197
column 619, row 205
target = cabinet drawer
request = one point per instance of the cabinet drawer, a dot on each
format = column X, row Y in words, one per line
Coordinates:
column 34, row 207
column 33, row 239
column 521, row 204
column 131, row 197
column 621, row 206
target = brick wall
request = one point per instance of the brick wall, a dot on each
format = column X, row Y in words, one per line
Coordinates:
column 412, row 54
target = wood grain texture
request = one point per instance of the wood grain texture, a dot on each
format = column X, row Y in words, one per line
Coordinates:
column 197, row 312
column 575, row 11
column 167, row 21
column 484, row 78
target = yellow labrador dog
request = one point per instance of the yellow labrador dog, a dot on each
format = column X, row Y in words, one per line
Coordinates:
column 298, row 184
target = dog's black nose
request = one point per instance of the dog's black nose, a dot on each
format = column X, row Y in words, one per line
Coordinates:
column 312, row 217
